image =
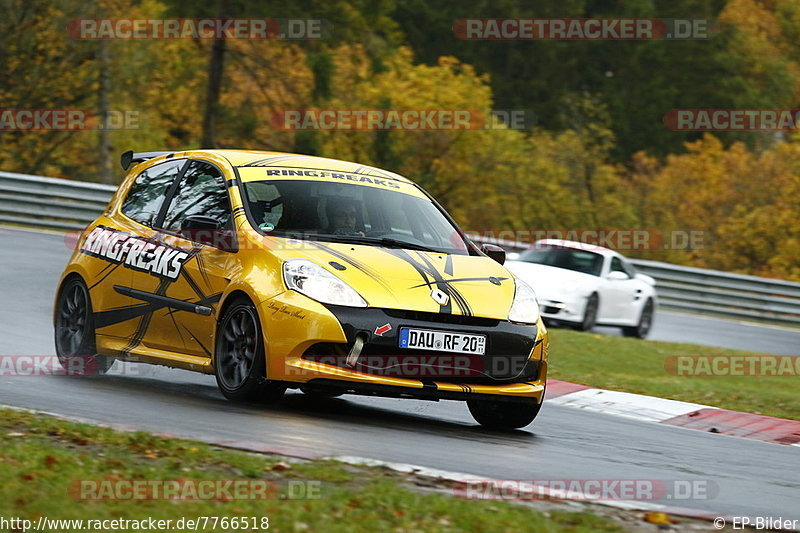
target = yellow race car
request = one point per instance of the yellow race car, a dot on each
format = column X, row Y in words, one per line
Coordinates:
column 276, row 271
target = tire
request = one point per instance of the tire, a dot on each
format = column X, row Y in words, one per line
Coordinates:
column 590, row 313
column 641, row 330
column 239, row 361
column 503, row 415
column 74, row 332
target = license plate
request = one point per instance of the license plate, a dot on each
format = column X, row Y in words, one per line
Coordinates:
column 442, row 341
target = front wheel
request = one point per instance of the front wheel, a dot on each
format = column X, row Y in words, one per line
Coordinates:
column 641, row 330
column 590, row 313
column 504, row 415
column 74, row 332
column 239, row 362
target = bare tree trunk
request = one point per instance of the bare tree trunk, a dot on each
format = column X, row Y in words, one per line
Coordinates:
column 215, row 68
column 105, row 156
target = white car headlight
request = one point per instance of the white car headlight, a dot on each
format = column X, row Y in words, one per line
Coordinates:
column 307, row 277
column 525, row 308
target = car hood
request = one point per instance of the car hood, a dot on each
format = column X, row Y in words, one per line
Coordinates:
column 549, row 282
column 395, row 278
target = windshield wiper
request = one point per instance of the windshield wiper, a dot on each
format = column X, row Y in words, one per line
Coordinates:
column 382, row 241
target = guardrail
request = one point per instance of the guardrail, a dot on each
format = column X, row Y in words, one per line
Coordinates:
column 704, row 291
column 51, row 202
column 65, row 204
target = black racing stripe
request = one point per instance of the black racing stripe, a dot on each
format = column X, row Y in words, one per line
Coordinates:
column 448, row 265
column 378, row 172
column 424, row 271
column 101, row 280
column 353, row 262
column 163, row 301
column 201, row 265
column 110, row 317
column 446, row 288
column 208, row 300
column 461, row 279
column 273, row 159
column 177, row 328
column 144, row 323
column 200, row 344
column 462, row 302
column 193, row 284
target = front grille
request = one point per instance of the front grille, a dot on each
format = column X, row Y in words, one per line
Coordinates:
column 442, row 318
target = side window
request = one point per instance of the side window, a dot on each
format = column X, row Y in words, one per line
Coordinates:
column 616, row 265
column 202, row 191
column 266, row 204
column 147, row 193
column 629, row 269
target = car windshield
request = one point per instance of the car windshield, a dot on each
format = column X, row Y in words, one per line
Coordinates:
column 344, row 212
column 569, row 258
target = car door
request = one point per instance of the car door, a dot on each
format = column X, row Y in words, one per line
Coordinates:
column 622, row 288
column 117, row 315
column 189, row 293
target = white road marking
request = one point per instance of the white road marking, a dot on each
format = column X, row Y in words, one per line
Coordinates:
column 626, row 404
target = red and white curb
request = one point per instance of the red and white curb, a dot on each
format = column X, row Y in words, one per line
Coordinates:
column 674, row 413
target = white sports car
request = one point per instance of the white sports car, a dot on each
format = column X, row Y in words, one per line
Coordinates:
column 584, row 285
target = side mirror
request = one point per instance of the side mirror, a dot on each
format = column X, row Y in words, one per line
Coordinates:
column 616, row 275
column 495, row 252
column 208, row 230
column 197, row 222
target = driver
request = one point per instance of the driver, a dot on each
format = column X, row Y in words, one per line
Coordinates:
column 342, row 218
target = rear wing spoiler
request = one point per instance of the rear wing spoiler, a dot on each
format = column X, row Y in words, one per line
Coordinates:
column 129, row 157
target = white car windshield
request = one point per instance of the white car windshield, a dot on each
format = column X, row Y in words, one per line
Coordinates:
column 568, row 258
column 344, row 212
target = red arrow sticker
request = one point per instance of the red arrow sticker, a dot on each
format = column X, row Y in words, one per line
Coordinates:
column 380, row 330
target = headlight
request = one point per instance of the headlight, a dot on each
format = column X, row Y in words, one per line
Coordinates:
column 525, row 308
column 317, row 283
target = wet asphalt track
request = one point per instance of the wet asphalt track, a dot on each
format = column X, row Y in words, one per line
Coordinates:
column 754, row 478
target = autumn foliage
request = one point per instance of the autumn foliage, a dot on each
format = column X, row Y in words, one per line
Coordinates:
column 742, row 192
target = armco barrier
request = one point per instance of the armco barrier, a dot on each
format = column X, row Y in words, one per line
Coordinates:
column 65, row 204
column 704, row 291
column 51, row 202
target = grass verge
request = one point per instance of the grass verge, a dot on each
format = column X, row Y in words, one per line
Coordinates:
column 43, row 458
column 633, row 365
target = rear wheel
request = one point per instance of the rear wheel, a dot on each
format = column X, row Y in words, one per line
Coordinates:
column 503, row 415
column 239, row 362
column 645, row 323
column 74, row 332
column 590, row 314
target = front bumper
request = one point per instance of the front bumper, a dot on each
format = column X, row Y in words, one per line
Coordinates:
column 568, row 308
column 514, row 366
